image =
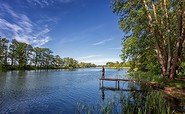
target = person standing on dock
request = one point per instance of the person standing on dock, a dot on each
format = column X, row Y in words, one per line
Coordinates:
column 103, row 72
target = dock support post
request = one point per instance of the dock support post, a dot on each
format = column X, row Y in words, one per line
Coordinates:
column 102, row 83
column 117, row 84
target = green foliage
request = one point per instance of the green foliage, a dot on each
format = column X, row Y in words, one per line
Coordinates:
column 3, row 52
column 153, row 103
column 182, row 69
column 23, row 52
column 174, row 83
column 117, row 64
column 70, row 63
column 23, row 56
column 156, row 103
column 146, row 76
column 86, row 65
column 145, row 37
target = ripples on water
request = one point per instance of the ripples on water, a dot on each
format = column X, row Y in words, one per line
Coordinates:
column 53, row 91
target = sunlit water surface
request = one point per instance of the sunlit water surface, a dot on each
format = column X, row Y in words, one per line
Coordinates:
column 54, row 91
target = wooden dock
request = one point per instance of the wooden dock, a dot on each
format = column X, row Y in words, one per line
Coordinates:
column 117, row 80
column 120, row 89
column 117, row 87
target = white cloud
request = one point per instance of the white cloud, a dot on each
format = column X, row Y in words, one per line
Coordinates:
column 8, row 26
column 7, row 9
column 26, row 23
column 22, row 28
column 41, row 3
column 64, row 1
column 102, row 42
column 79, row 35
column 45, row 3
column 40, row 42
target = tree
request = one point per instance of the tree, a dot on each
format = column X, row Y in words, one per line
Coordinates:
column 37, row 56
column 23, row 54
column 46, row 57
column 86, row 65
column 12, row 52
column 29, row 54
column 58, row 62
column 109, row 64
column 149, row 29
column 3, row 52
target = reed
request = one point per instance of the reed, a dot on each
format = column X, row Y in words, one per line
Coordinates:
column 153, row 103
column 156, row 103
column 146, row 76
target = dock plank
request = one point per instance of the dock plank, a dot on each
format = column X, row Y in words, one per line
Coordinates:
column 118, row 79
column 119, row 89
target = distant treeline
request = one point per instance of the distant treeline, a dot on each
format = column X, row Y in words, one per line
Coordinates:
column 22, row 56
column 117, row 64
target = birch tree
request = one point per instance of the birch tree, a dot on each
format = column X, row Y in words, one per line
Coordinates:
column 153, row 26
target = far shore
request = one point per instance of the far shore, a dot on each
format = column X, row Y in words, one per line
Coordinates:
column 118, row 67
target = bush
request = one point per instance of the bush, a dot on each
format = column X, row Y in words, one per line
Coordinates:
column 146, row 76
column 182, row 69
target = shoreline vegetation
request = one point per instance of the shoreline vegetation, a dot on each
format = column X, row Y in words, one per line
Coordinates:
column 16, row 55
column 159, row 96
column 22, row 56
column 154, row 43
column 152, row 103
column 154, row 35
column 172, row 90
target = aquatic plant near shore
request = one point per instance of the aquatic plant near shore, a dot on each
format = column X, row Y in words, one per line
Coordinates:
column 145, row 76
column 154, row 102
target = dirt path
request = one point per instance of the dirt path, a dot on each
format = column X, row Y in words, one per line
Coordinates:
column 176, row 96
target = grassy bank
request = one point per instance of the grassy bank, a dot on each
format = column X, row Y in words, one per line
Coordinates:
column 163, row 82
column 174, row 90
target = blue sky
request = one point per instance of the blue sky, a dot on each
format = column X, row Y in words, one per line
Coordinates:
column 85, row 30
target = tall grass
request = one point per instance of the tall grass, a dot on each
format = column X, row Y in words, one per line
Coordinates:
column 156, row 103
column 146, row 76
column 153, row 103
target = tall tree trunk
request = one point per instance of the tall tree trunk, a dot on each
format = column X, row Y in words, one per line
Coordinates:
column 180, row 40
column 162, row 27
column 6, row 58
column 152, row 30
column 169, row 39
column 11, row 62
column 161, row 36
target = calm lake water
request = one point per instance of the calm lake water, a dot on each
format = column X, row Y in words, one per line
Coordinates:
column 54, row 91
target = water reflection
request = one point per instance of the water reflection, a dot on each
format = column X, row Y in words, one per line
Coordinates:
column 58, row 91
column 52, row 91
column 132, row 87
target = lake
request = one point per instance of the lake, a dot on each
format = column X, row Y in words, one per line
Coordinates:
column 54, row 91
